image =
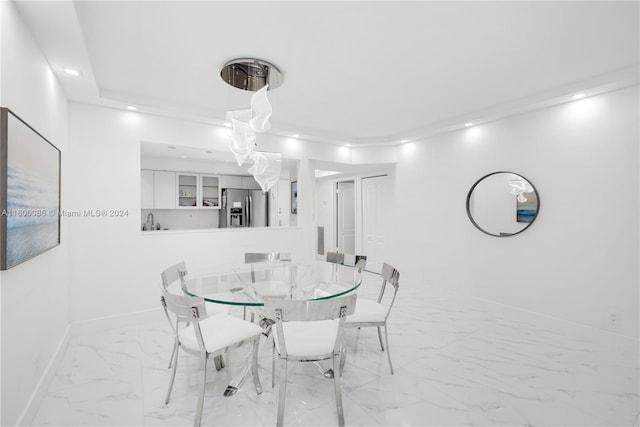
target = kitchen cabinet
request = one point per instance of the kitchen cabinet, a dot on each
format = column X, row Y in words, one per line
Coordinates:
column 209, row 191
column 249, row 183
column 230, row 181
column 164, row 190
column 240, row 182
column 146, row 189
column 157, row 189
column 187, row 192
column 197, row 191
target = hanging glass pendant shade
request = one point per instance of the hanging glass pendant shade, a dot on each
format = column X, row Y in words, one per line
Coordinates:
column 243, row 140
column 266, row 168
column 253, row 75
column 261, row 110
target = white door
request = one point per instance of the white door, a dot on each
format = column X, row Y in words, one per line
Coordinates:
column 346, row 217
column 376, row 195
column 282, row 203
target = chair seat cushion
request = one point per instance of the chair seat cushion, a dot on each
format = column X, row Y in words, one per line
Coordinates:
column 367, row 311
column 308, row 338
column 219, row 331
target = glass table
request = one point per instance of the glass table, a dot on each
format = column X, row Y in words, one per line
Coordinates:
column 248, row 285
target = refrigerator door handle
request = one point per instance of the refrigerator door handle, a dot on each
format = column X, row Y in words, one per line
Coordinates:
column 250, row 210
column 246, row 210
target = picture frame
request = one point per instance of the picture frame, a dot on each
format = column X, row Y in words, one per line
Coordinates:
column 29, row 191
column 294, row 197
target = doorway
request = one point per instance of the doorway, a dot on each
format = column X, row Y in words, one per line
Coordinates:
column 376, row 200
column 346, row 217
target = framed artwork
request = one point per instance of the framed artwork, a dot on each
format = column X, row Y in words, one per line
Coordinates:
column 526, row 211
column 29, row 192
column 294, row 197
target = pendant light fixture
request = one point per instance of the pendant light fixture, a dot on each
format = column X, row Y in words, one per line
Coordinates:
column 257, row 76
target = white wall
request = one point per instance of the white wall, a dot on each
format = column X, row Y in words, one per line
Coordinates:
column 116, row 268
column 34, row 295
column 579, row 260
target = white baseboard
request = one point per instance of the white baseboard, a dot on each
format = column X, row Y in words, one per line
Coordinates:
column 116, row 321
column 35, row 400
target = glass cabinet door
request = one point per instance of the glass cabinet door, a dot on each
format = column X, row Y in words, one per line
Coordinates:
column 187, row 190
column 210, row 191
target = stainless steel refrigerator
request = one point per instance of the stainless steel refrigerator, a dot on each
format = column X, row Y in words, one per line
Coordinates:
column 244, row 208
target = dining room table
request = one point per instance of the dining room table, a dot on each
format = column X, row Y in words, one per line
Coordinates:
column 248, row 285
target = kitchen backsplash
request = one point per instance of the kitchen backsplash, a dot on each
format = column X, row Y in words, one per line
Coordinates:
column 182, row 219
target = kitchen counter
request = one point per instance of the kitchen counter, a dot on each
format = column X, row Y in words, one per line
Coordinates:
column 214, row 230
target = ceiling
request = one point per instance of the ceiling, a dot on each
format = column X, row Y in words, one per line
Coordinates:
column 354, row 72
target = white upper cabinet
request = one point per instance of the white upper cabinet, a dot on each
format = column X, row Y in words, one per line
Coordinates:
column 146, row 189
column 197, row 191
column 230, row 181
column 157, row 189
column 164, row 190
column 209, row 191
column 249, row 183
column 187, row 190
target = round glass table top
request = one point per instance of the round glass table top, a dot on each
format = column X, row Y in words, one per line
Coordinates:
column 249, row 284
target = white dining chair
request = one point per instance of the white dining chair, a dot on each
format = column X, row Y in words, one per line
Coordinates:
column 308, row 331
column 207, row 336
column 178, row 272
column 371, row 313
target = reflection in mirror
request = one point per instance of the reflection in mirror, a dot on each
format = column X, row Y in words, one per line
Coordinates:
column 502, row 204
column 185, row 188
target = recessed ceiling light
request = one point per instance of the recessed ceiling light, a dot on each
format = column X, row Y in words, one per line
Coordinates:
column 468, row 124
column 295, row 135
column 131, row 107
column 578, row 96
column 403, row 141
column 348, row 145
column 72, row 72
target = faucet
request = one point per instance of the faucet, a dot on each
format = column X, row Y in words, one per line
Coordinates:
column 150, row 225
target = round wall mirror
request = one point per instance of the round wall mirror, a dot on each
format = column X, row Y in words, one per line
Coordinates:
column 502, row 204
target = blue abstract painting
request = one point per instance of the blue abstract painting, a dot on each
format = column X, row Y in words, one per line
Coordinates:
column 32, row 193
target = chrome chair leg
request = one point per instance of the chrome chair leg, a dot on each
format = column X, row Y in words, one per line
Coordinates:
column 173, row 353
column 282, row 392
column 337, row 388
column 386, row 339
column 198, row 419
column 273, row 365
column 380, row 337
column 254, row 367
column 173, row 373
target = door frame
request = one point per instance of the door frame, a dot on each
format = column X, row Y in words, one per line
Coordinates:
column 336, row 209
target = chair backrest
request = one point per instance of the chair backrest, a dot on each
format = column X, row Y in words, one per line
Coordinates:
column 335, row 257
column 357, row 261
column 392, row 276
column 309, row 310
column 173, row 274
column 253, row 257
column 184, row 306
column 184, row 309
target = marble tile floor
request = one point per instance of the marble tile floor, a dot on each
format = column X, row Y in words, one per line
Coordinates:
column 458, row 361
